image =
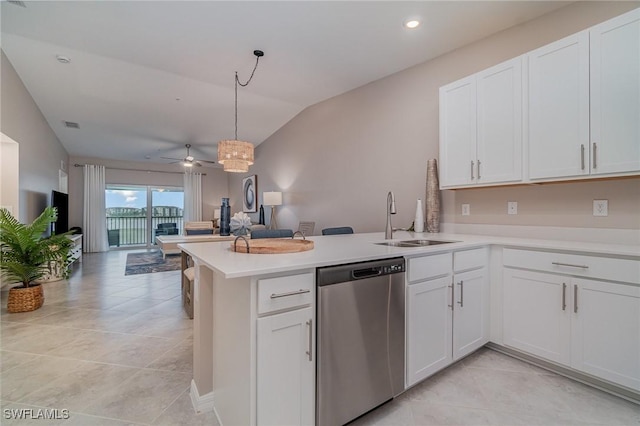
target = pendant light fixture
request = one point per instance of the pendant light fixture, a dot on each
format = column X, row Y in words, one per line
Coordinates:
column 236, row 155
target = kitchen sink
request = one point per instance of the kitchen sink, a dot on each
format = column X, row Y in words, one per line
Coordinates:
column 414, row 243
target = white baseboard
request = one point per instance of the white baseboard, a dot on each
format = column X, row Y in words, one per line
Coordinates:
column 587, row 235
column 201, row 404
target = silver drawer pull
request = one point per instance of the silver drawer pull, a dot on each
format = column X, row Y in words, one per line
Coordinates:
column 570, row 265
column 291, row 293
column 310, row 351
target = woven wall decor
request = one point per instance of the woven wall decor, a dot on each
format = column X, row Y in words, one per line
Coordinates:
column 433, row 197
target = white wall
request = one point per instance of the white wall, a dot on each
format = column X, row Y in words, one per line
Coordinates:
column 9, row 174
column 336, row 160
column 41, row 153
column 214, row 184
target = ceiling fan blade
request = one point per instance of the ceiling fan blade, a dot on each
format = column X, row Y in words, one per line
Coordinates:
column 197, row 163
column 204, row 161
column 171, row 158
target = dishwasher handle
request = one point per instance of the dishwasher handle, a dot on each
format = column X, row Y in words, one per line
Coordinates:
column 358, row 274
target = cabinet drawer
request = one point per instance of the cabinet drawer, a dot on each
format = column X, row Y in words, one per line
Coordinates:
column 469, row 259
column 276, row 294
column 421, row 268
column 623, row 270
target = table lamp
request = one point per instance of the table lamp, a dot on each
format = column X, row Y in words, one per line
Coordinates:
column 272, row 199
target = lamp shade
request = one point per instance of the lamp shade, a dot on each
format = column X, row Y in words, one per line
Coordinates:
column 235, row 156
column 272, row 198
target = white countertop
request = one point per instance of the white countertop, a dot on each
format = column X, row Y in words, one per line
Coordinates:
column 337, row 249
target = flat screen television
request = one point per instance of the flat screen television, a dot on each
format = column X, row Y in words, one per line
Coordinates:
column 60, row 201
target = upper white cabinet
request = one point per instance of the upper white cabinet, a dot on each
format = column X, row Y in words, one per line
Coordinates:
column 481, row 127
column 615, row 95
column 559, row 108
column 568, row 110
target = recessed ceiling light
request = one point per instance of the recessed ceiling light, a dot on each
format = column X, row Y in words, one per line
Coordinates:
column 412, row 23
column 63, row 59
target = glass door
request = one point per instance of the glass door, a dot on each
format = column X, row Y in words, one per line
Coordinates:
column 136, row 214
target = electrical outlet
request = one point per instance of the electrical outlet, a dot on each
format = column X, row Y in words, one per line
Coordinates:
column 466, row 209
column 512, row 207
column 601, row 207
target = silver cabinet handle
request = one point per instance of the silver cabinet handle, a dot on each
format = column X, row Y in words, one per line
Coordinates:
column 595, row 150
column 478, row 169
column 582, row 157
column 564, row 296
column 570, row 265
column 575, row 298
column 291, row 293
column 310, row 351
column 451, row 287
column 472, row 177
column 461, row 302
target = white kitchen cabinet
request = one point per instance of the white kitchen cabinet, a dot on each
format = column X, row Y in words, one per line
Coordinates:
column 471, row 295
column 286, row 368
column 447, row 316
column 429, row 328
column 606, row 331
column 558, row 110
column 570, row 314
column 458, row 129
column 615, row 95
column 535, row 316
column 481, row 127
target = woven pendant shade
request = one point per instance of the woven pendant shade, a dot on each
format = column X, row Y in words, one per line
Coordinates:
column 235, row 156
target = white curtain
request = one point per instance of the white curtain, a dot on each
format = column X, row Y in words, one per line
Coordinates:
column 192, row 197
column 95, row 215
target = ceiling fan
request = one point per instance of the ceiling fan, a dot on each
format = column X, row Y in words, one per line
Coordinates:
column 189, row 160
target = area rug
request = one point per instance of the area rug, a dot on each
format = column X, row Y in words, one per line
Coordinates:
column 146, row 263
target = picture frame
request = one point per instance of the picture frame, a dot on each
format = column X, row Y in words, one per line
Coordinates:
column 249, row 194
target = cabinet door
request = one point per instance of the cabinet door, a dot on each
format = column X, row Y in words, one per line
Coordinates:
column 428, row 328
column 536, row 314
column 458, row 133
column 471, row 312
column 559, row 108
column 499, row 141
column 615, row 95
column 286, row 369
column 606, row 331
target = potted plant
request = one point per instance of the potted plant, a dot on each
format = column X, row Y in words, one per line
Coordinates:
column 26, row 255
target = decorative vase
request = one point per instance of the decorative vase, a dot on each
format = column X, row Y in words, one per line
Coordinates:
column 418, row 223
column 225, row 218
column 25, row 299
column 261, row 218
column 433, row 197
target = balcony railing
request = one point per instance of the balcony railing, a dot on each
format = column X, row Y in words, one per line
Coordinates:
column 132, row 230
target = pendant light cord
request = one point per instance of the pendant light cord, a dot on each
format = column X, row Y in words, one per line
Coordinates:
column 238, row 82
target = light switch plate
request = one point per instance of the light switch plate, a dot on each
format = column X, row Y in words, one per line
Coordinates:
column 601, row 207
column 512, row 207
column 466, row 209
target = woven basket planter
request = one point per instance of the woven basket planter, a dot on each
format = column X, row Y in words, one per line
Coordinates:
column 25, row 299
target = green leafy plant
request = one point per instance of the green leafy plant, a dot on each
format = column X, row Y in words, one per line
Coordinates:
column 25, row 253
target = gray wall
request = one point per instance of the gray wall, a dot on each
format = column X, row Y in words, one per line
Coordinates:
column 41, row 153
column 336, row 160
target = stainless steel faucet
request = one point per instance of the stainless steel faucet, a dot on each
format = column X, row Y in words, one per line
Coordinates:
column 391, row 209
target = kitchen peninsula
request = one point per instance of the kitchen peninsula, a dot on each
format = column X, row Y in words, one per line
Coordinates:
column 254, row 351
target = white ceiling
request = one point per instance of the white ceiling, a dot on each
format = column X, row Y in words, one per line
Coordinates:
column 147, row 77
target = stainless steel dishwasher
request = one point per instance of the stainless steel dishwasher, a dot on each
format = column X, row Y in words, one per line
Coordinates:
column 360, row 338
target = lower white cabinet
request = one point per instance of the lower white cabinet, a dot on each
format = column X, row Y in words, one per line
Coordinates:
column 447, row 316
column 286, row 368
column 590, row 325
column 429, row 328
column 470, row 312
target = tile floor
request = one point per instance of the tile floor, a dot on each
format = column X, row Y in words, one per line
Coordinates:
column 116, row 350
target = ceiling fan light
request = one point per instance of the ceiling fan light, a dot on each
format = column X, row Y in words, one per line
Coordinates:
column 188, row 164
